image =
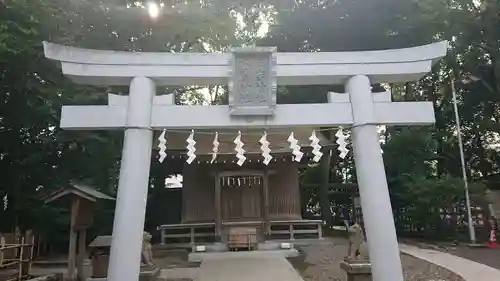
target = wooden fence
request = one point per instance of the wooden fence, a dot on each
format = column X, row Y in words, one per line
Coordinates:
column 296, row 229
column 16, row 256
column 188, row 235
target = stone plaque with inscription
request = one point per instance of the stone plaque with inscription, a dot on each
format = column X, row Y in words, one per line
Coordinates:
column 252, row 81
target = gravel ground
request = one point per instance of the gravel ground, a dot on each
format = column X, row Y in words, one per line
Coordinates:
column 322, row 263
column 172, row 259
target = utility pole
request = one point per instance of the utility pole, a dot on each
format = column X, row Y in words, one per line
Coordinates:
column 472, row 231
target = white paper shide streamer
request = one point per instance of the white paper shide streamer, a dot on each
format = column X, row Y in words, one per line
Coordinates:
column 215, row 148
column 294, row 145
column 266, row 151
column 191, row 153
column 239, row 150
column 316, row 147
column 341, row 141
column 163, row 146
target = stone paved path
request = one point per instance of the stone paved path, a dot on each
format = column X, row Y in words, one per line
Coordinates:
column 469, row 270
column 247, row 269
column 486, row 256
column 178, row 274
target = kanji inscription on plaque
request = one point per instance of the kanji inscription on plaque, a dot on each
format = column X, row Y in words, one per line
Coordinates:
column 252, row 81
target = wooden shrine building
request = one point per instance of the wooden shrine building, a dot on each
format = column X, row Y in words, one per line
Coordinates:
column 221, row 195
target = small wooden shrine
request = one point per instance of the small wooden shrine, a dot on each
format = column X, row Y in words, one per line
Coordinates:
column 82, row 199
column 254, row 195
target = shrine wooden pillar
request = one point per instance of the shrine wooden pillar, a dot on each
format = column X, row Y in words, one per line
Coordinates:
column 81, row 219
column 265, row 195
column 82, row 251
column 82, row 216
column 217, row 203
column 75, row 206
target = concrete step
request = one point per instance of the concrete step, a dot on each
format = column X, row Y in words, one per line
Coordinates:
column 264, row 268
column 178, row 274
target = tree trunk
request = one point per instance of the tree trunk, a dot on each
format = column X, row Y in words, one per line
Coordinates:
column 15, row 194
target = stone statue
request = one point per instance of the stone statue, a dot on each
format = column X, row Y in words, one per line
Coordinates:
column 363, row 252
column 357, row 246
column 147, row 253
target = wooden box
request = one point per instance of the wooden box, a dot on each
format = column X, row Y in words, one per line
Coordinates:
column 242, row 237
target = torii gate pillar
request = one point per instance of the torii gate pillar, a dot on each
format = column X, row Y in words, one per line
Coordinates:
column 372, row 182
column 133, row 183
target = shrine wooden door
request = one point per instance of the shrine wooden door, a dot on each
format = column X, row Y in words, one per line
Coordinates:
column 241, row 198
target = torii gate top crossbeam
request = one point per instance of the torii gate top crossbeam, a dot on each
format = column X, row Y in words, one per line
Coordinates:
column 96, row 67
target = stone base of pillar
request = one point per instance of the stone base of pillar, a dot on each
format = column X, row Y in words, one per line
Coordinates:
column 146, row 274
column 357, row 270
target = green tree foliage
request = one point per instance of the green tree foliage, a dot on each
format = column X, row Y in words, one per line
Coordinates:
column 413, row 156
column 36, row 156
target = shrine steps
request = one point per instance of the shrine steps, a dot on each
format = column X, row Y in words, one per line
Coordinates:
column 208, row 256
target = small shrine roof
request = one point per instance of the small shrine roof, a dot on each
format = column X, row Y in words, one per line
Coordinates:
column 101, row 241
column 80, row 190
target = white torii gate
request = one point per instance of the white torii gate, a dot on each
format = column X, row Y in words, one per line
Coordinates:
column 142, row 112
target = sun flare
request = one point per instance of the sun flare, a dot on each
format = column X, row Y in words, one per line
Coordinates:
column 153, row 9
